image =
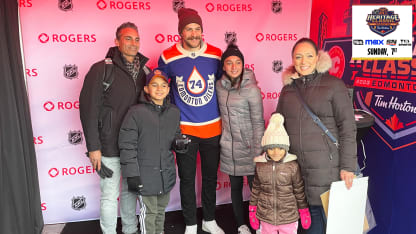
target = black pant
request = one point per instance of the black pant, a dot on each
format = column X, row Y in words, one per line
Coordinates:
column 237, row 197
column 210, row 156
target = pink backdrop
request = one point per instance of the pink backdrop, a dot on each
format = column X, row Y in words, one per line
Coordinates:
column 62, row 39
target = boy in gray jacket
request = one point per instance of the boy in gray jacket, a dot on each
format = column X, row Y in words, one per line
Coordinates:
column 146, row 157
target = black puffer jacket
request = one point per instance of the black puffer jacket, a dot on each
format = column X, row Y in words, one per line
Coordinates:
column 320, row 160
column 102, row 113
column 145, row 140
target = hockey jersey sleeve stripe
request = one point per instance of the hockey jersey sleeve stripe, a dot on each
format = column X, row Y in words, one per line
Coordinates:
column 212, row 50
column 204, row 131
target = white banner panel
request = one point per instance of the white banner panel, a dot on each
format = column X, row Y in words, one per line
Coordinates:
column 382, row 32
column 63, row 38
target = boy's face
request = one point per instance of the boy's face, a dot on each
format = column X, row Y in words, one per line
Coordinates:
column 157, row 89
column 276, row 153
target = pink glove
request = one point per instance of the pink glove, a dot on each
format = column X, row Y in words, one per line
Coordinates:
column 305, row 218
column 254, row 221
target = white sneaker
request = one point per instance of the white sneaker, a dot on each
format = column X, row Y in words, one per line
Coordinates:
column 192, row 229
column 211, row 227
column 243, row 229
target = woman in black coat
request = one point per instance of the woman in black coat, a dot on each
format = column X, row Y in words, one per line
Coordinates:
column 321, row 161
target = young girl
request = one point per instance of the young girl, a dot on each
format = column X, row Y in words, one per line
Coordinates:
column 241, row 108
column 277, row 196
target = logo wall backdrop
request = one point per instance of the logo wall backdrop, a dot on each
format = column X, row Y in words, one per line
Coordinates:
column 63, row 38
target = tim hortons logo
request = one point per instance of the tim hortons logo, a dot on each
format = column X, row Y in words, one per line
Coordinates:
column 226, row 7
column 79, row 203
column 178, row 4
column 70, row 71
column 65, row 5
column 75, row 137
column 62, row 38
column 230, row 37
column 276, row 6
column 123, row 5
column 277, row 66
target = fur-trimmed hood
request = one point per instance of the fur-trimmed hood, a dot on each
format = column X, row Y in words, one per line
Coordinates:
column 323, row 65
column 262, row 158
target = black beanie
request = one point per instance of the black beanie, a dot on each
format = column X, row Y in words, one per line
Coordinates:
column 232, row 50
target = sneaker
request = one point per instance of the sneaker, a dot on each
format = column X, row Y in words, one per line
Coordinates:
column 243, row 229
column 211, row 227
column 192, row 229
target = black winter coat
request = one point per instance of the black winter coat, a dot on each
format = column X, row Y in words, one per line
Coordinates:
column 102, row 113
column 145, row 140
column 319, row 159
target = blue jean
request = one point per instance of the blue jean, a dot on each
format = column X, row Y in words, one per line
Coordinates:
column 110, row 191
column 318, row 221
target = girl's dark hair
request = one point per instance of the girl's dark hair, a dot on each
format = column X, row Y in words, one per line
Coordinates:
column 306, row 40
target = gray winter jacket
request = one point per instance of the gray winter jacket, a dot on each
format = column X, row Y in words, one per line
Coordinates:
column 145, row 140
column 319, row 159
column 242, row 124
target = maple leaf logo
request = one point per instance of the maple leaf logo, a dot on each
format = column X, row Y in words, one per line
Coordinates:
column 394, row 123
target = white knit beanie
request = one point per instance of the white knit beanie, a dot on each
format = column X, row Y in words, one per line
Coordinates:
column 275, row 134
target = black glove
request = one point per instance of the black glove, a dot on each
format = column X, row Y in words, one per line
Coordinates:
column 105, row 172
column 180, row 144
column 135, row 184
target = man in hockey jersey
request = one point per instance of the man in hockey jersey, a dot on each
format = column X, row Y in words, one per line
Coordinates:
column 194, row 66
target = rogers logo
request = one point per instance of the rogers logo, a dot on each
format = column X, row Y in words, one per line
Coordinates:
column 50, row 106
column 225, row 7
column 121, row 5
column 38, row 140
column 31, row 72
column 43, row 38
column 270, row 95
column 62, row 38
column 43, row 206
column 25, row 3
column 53, row 172
column 70, row 171
column 251, row 66
column 160, row 38
column 276, row 37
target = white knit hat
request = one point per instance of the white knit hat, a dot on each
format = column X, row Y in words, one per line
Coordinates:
column 275, row 134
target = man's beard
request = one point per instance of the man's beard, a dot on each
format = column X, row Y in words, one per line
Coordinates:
column 189, row 44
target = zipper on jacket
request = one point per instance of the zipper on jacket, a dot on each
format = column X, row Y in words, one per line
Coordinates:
column 274, row 191
column 231, row 132
column 158, row 109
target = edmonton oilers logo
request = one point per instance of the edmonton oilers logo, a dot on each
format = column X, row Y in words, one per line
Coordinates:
column 383, row 21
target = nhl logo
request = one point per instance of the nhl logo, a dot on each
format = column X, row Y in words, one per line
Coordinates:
column 276, row 6
column 382, row 21
column 178, row 4
column 75, row 137
column 65, row 5
column 230, row 38
column 78, row 203
column 277, row 66
column 71, row 71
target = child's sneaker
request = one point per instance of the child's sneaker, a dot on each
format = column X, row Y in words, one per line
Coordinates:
column 191, row 229
column 243, row 229
column 211, row 227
